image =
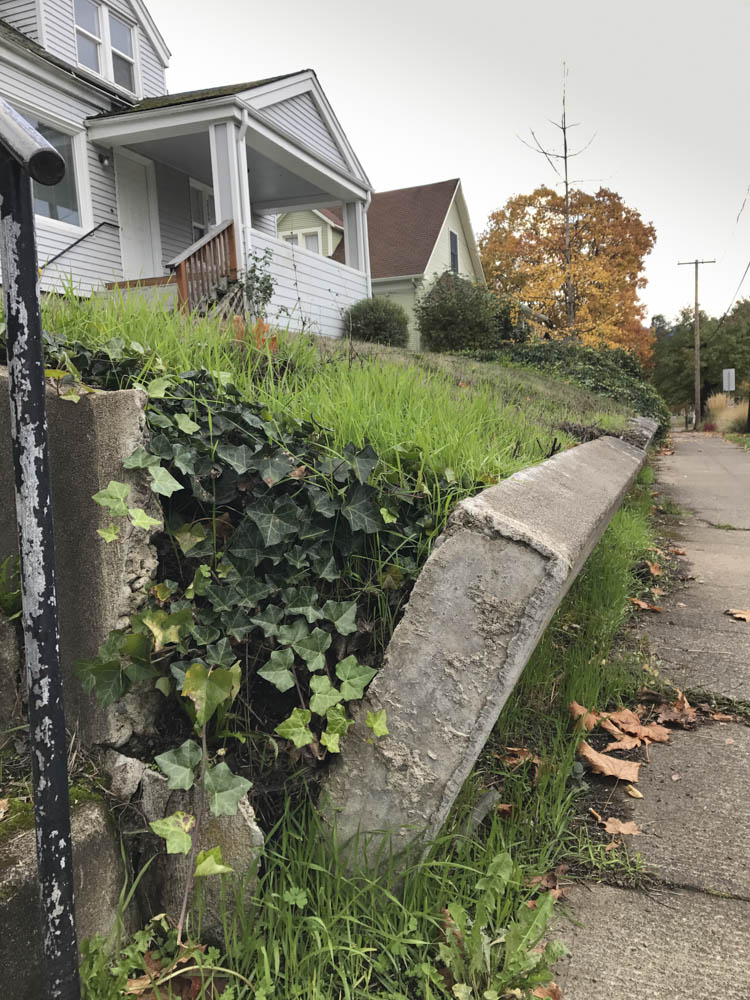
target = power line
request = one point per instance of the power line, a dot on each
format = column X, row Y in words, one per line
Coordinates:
column 726, row 311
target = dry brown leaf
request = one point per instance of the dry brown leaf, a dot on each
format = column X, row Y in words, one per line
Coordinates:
column 633, row 792
column 517, row 755
column 654, row 568
column 658, row 591
column 644, row 605
column 680, row 711
column 549, row 992
column 504, row 809
column 739, row 615
column 677, row 552
column 299, row 472
column 616, row 826
column 597, row 816
column 585, row 719
column 531, row 903
column 623, row 770
column 555, row 893
column 611, row 846
column 4, row 807
column 611, row 728
column 717, row 717
column 629, row 722
column 626, row 743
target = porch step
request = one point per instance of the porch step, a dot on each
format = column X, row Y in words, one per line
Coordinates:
column 162, row 290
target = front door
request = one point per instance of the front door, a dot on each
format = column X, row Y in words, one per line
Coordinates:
column 138, row 216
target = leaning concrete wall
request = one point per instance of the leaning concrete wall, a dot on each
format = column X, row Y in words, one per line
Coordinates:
column 478, row 609
column 98, row 584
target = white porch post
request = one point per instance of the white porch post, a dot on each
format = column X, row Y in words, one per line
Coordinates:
column 228, row 181
column 356, row 253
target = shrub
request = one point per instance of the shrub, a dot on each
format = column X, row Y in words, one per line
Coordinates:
column 379, row 320
column 456, row 315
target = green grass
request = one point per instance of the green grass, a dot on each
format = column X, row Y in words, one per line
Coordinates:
column 372, row 936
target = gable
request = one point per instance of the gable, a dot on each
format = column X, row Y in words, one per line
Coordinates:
column 468, row 255
column 22, row 15
column 300, row 117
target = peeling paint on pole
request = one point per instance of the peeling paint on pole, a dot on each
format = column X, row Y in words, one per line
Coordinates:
column 36, row 548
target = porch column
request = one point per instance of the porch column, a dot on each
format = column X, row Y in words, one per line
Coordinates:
column 228, row 181
column 356, row 252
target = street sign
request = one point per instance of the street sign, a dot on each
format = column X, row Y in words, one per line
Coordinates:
column 728, row 379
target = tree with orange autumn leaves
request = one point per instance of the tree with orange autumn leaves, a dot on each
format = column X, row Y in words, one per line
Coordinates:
column 523, row 254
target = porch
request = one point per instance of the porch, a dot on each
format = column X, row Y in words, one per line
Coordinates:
column 203, row 180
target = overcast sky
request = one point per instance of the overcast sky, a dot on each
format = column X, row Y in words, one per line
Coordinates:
column 431, row 90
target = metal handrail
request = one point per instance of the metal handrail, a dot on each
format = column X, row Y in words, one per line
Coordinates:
column 76, row 242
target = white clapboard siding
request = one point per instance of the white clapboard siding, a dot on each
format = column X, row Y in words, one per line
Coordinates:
column 59, row 29
column 21, row 15
column 265, row 224
column 310, row 291
column 26, row 91
column 300, row 117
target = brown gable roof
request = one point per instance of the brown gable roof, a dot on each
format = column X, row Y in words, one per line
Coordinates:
column 334, row 217
column 403, row 227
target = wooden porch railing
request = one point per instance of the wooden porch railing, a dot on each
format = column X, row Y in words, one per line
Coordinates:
column 204, row 265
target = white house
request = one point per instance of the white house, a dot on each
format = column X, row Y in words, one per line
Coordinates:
column 320, row 230
column 193, row 179
column 415, row 235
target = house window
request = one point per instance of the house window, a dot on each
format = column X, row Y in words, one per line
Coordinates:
column 307, row 238
column 60, row 201
column 292, row 239
column 123, row 62
column 454, row 252
column 202, row 209
column 105, row 43
column 312, row 242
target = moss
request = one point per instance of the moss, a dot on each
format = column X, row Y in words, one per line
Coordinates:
column 20, row 816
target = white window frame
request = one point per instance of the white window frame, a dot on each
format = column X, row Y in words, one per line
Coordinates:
column 80, row 150
column 301, row 234
column 208, row 192
column 452, row 232
column 106, row 68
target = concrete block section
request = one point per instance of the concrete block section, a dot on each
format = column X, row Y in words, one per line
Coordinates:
column 479, row 607
column 629, row 945
column 98, row 585
column 99, row 877
column 695, row 828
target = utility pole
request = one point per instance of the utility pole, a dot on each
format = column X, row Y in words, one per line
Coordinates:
column 697, row 264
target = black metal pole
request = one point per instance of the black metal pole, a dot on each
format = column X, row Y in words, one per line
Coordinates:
column 24, row 152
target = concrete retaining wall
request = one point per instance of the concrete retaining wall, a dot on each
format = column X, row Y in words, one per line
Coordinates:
column 98, row 584
column 478, row 609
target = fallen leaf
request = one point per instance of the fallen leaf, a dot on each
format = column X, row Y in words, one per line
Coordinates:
column 623, row 770
column 717, row 717
column 504, row 809
column 585, row 719
column 743, row 616
column 728, row 741
column 614, row 826
column 299, row 472
column 676, row 777
column 680, row 711
column 597, row 816
column 626, row 743
column 629, row 722
column 654, row 568
column 678, row 552
column 658, row 591
column 555, row 893
column 549, row 992
column 633, row 792
column 613, row 845
column 611, row 728
column 4, row 807
column 517, row 755
column 531, row 903
column 644, row 605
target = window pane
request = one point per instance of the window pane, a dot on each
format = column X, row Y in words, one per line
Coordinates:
column 292, row 239
column 196, row 207
column 198, row 233
column 87, row 16
column 211, row 205
column 121, row 35
column 61, row 200
column 312, row 242
column 88, row 52
column 123, row 71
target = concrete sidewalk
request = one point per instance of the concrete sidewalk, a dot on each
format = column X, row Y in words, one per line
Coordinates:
column 690, row 936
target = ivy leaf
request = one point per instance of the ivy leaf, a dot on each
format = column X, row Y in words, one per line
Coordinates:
column 289, row 634
column 296, row 728
column 269, row 620
column 337, row 721
column 221, row 654
column 312, row 647
column 277, row 522
column 363, row 463
column 158, row 419
column 190, row 535
column 114, row 498
column 322, row 502
column 240, row 457
column 163, row 482
column 326, row 569
column 361, row 512
column 179, row 765
column 165, row 589
column 274, row 468
column 167, row 628
column 207, row 689
column 331, row 741
column 251, row 591
column 278, row 670
column 305, row 603
column 377, row 722
column 157, row 387
column 388, row 516
column 140, row 459
column 184, row 458
column 110, row 534
column 204, row 634
column 354, row 678
column 211, row 863
column 141, row 519
column 226, row 790
column 237, row 623
column 222, row 598
column 246, row 542
column 104, row 678
column 325, row 695
column 164, row 685
column 186, row 425
column 342, row 614
column 175, row 829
